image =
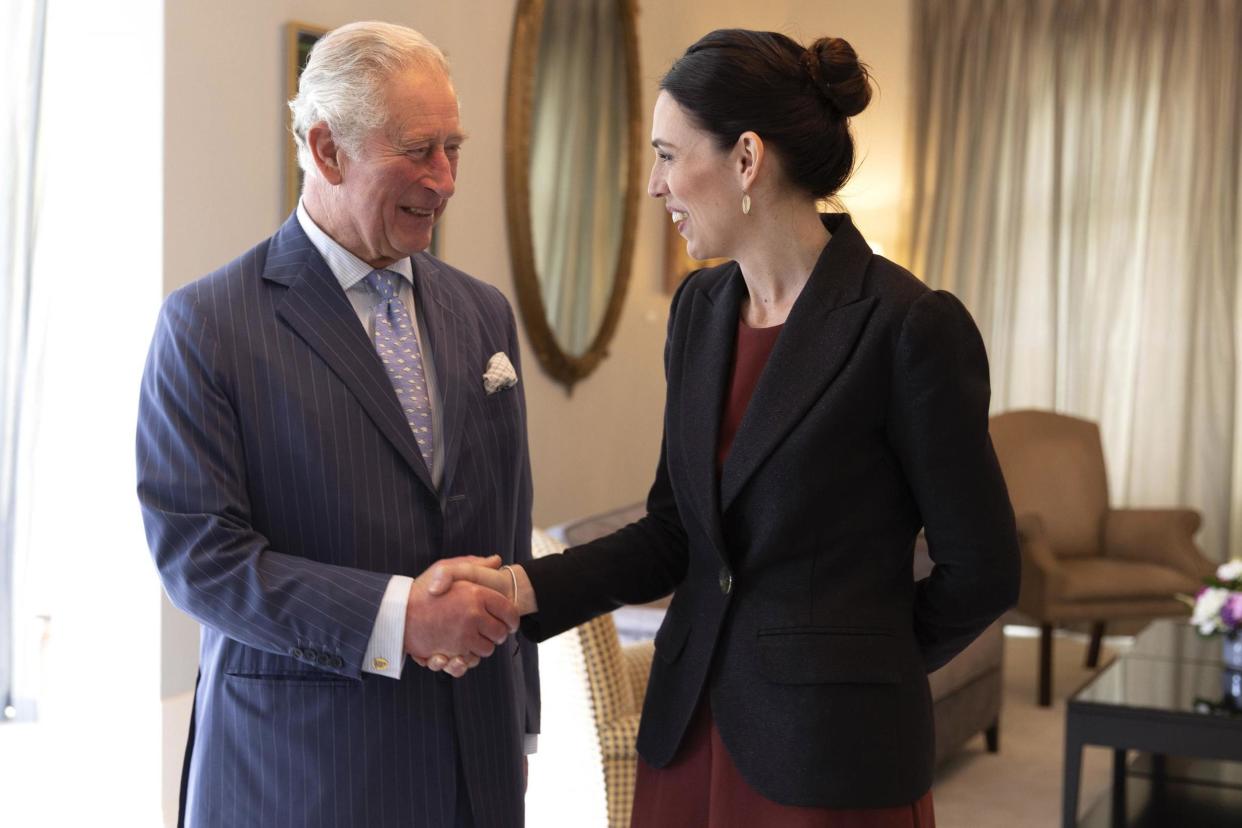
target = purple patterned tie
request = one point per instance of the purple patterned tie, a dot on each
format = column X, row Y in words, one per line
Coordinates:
column 397, row 347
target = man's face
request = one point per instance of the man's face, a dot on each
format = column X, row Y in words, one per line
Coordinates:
column 393, row 192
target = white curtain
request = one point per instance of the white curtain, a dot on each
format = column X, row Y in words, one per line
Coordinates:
column 1077, row 178
column 21, row 33
column 578, row 164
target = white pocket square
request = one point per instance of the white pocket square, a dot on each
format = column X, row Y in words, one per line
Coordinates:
column 499, row 373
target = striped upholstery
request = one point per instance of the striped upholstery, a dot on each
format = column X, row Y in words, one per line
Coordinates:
column 281, row 487
column 617, row 682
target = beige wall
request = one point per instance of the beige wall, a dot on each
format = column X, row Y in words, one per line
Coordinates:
column 223, row 155
column 598, row 448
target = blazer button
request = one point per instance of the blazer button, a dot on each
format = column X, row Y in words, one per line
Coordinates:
column 337, row 662
column 726, row 580
column 324, row 659
column 296, row 652
column 310, row 655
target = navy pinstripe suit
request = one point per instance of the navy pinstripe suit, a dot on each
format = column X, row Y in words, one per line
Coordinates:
column 281, row 488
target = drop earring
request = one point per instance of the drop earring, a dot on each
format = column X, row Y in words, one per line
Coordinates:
column 746, row 204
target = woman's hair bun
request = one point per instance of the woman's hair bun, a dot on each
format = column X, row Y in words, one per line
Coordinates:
column 836, row 73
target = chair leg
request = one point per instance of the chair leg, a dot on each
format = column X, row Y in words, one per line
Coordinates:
column 992, row 735
column 1093, row 652
column 1045, row 665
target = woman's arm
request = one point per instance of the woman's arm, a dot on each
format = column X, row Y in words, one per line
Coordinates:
column 939, row 428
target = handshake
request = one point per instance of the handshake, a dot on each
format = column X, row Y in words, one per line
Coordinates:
column 461, row 609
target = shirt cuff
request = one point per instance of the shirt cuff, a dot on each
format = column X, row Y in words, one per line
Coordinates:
column 384, row 655
column 530, row 743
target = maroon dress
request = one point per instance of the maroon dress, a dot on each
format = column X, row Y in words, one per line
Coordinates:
column 701, row 787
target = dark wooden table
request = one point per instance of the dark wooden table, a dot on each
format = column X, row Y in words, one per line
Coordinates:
column 1163, row 698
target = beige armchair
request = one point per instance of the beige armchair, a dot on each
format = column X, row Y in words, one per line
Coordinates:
column 617, row 677
column 1081, row 560
column 617, row 682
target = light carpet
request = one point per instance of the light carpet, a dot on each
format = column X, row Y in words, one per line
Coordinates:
column 1020, row 787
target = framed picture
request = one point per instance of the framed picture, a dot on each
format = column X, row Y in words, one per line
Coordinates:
column 678, row 264
column 299, row 38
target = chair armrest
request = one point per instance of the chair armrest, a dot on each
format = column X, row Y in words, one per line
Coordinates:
column 1042, row 574
column 619, row 738
column 636, row 668
column 1159, row 536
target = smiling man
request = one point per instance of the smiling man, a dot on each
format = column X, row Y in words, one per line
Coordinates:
column 315, row 439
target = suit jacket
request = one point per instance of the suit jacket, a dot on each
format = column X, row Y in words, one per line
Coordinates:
column 281, row 487
column 795, row 615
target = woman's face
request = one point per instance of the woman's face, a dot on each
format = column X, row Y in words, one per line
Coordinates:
column 696, row 180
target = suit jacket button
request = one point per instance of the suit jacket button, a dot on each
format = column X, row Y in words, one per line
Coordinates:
column 310, row 655
column 726, row 580
column 323, row 659
column 337, row 663
column 296, row 652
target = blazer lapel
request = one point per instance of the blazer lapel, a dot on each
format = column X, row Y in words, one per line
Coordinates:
column 317, row 310
column 451, row 350
column 818, row 337
column 708, row 356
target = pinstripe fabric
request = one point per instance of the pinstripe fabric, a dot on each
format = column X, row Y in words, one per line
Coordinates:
column 281, row 487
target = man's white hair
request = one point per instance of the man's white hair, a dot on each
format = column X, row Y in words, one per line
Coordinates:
column 344, row 77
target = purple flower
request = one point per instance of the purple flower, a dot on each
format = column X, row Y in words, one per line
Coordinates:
column 1231, row 612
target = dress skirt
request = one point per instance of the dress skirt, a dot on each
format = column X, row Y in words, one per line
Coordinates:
column 702, row 788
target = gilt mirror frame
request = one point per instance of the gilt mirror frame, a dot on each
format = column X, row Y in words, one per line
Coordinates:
column 563, row 367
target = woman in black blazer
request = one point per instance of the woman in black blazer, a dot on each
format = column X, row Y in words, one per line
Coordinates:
column 823, row 406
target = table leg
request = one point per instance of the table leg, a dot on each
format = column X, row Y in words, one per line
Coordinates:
column 1119, row 788
column 1072, row 772
column 1159, row 776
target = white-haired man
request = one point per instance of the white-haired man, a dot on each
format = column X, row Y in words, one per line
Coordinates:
column 315, row 438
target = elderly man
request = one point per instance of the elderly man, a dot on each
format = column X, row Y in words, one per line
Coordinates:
column 322, row 421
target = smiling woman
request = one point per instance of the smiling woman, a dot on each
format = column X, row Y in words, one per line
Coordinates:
column 572, row 164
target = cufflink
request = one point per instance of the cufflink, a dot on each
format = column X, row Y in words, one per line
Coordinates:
column 379, row 663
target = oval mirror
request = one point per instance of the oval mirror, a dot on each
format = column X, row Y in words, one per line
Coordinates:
column 572, row 173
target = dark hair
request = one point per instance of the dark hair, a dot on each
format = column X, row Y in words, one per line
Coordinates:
column 796, row 99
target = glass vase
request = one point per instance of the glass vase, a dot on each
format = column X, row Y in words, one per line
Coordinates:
column 1231, row 652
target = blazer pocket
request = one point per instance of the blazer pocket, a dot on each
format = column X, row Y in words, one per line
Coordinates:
column 829, row 655
column 298, row 679
column 671, row 638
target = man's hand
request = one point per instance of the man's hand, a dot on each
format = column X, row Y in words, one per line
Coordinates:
column 482, row 573
column 466, row 618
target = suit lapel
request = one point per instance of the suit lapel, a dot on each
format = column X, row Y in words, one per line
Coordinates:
column 317, row 310
column 819, row 335
column 707, row 361
column 451, row 347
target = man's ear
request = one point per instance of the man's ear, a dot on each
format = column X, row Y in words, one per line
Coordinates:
column 326, row 152
column 748, row 154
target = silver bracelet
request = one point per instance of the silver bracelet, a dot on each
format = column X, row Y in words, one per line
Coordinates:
column 513, row 578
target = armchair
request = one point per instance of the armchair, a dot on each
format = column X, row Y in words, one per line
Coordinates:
column 1081, row 559
column 616, row 678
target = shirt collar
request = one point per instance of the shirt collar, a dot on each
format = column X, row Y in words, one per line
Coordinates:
column 348, row 269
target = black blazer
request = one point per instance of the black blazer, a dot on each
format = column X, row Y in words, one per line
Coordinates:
column 794, row 609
